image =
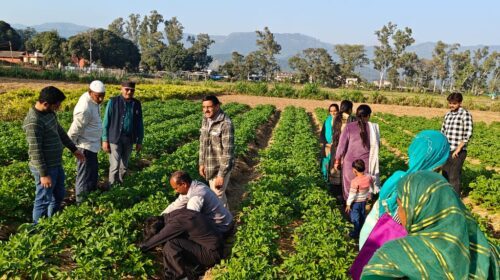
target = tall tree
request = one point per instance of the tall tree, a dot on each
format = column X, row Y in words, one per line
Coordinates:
column 198, row 52
column 174, row 58
column 317, row 65
column 351, row 56
column 235, row 68
column 174, row 31
column 462, row 71
column 482, row 68
column 26, row 35
column 384, row 55
column 9, row 38
column 132, row 29
column 267, row 49
column 493, row 62
column 108, row 49
column 117, row 26
column 51, row 46
column 441, row 63
column 151, row 42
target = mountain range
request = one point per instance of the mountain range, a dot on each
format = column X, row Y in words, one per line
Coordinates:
column 244, row 43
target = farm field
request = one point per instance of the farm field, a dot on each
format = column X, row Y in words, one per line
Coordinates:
column 288, row 226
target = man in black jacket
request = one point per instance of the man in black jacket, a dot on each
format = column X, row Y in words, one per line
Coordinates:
column 190, row 237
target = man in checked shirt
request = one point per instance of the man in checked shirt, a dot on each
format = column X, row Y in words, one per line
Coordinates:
column 216, row 147
column 457, row 127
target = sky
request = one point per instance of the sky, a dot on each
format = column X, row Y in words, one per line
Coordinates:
column 466, row 22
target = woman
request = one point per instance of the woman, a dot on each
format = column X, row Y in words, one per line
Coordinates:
column 326, row 138
column 443, row 242
column 427, row 151
column 359, row 140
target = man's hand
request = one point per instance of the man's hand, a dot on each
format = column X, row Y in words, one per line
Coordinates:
column 138, row 147
column 79, row 155
column 201, row 170
column 455, row 153
column 105, row 147
column 336, row 166
column 46, row 182
column 219, row 182
column 348, row 209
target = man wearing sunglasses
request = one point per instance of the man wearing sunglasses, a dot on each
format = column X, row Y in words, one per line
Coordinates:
column 122, row 128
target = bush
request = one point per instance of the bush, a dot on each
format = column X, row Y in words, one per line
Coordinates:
column 310, row 90
column 377, row 98
column 354, row 96
column 283, row 90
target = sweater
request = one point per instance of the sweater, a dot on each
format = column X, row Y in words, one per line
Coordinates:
column 46, row 140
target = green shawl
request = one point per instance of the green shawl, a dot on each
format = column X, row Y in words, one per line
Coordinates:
column 443, row 242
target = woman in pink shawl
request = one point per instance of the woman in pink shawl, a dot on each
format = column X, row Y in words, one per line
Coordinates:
column 359, row 140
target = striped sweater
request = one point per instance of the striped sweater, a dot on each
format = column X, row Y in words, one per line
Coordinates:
column 46, row 140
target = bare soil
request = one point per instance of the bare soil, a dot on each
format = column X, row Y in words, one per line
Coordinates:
column 310, row 105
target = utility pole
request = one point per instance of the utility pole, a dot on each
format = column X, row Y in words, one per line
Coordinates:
column 90, row 50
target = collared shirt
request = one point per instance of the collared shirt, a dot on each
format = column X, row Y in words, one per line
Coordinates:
column 201, row 199
column 217, row 145
column 457, row 127
column 86, row 128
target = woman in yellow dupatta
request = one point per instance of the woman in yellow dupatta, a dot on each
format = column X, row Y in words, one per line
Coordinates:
column 443, row 242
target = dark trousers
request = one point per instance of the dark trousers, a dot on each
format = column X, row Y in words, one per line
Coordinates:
column 358, row 215
column 180, row 251
column 452, row 169
column 86, row 174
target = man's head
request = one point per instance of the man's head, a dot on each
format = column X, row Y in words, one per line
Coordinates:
column 97, row 91
column 128, row 89
column 180, row 182
column 50, row 99
column 455, row 101
column 211, row 106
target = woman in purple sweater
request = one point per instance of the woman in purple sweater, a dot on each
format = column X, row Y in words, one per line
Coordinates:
column 355, row 143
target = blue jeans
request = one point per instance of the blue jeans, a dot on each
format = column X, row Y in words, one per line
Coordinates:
column 86, row 176
column 358, row 216
column 48, row 200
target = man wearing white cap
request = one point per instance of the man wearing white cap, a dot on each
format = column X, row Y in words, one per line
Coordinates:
column 86, row 132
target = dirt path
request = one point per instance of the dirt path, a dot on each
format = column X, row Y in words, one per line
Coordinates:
column 310, row 105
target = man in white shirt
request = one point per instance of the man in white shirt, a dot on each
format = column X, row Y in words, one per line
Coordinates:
column 195, row 195
column 86, row 132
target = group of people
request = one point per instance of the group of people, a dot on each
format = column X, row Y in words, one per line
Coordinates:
column 418, row 228
column 195, row 223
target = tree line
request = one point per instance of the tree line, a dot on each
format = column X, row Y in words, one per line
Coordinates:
column 153, row 43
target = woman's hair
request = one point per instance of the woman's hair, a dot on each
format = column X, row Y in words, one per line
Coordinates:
column 345, row 107
column 333, row 105
column 362, row 112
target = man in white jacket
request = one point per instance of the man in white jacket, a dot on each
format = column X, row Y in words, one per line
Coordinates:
column 86, row 132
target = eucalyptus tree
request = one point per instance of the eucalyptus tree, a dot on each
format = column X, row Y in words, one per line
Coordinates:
column 351, row 56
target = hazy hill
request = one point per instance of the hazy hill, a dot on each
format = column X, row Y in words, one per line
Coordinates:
column 65, row 29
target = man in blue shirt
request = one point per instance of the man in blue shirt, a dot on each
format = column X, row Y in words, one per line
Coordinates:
column 122, row 127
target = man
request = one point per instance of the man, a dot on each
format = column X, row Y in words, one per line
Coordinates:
column 122, row 127
column 196, row 196
column 216, row 147
column 86, row 132
column 457, row 127
column 190, row 237
column 46, row 140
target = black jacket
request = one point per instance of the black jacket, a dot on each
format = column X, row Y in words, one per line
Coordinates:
column 189, row 224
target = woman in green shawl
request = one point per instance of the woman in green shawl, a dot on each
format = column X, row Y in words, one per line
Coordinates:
column 443, row 241
column 428, row 151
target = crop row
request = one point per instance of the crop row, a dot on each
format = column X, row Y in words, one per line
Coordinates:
column 16, row 102
column 289, row 202
column 97, row 239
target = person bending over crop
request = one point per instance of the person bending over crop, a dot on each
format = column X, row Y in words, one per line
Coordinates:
column 190, row 238
column 46, row 140
column 195, row 195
